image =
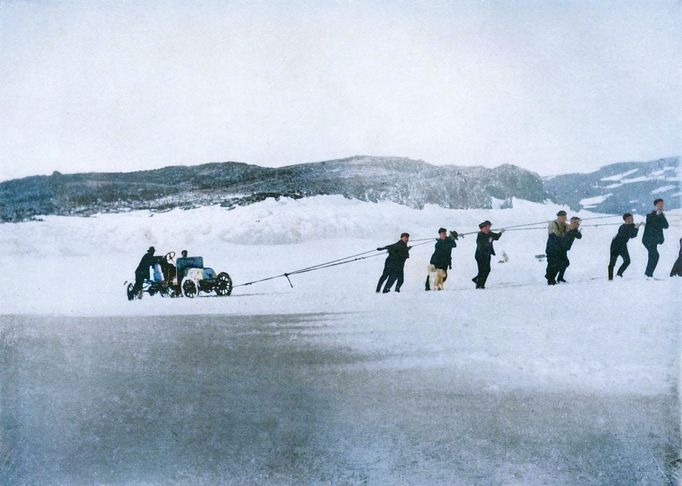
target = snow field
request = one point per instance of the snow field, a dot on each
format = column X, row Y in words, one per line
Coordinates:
column 590, row 335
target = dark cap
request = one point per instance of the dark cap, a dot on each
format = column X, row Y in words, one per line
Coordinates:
column 561, row 213
column 484, row 224
column 403, row 235
column 151, row 249
column 442, row 230
column 626, row 216
column 576, row 218
column 656, row 201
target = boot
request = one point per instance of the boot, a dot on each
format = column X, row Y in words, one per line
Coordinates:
column 610, row 273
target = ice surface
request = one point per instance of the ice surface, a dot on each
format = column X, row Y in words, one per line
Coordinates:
column 288, row 399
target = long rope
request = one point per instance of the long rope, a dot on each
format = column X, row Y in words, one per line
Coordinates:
column 306, row 270
column 547, row 222
column 312, row 267
column 329, row 264
column 545, row 228
column 351, row 258
column 319, row 266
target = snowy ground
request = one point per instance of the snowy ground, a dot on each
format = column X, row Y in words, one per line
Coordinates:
column 328, row 381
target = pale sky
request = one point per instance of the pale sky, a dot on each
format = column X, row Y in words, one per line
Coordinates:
column 552, row 86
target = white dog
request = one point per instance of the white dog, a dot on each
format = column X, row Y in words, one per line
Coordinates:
column 436, row 277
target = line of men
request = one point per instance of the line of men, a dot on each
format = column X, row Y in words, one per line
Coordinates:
column 656, row 222
column 441, row 259
column 561, row 236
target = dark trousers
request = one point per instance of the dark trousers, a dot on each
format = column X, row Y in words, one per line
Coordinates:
column 483, row 262
column 564, row 262
column 615, row 253
column 553, row 267
column 652, row 248
column 140, row 277
column 445, row 277
column 391, row 275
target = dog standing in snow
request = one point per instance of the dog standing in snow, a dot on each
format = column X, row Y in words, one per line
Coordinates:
column 436, row 277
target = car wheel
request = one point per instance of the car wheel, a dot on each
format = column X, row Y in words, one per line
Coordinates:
column 223, row 285
column 189, row 288
column 129, row 291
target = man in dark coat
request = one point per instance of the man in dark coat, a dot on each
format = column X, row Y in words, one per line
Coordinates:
column 572, row 233
column 556, row 231
column 394, row 265
column 484, row 250
column 677, row 266
column 653, row 235
column 142, row 270
column 442, row 253
column 619, row 244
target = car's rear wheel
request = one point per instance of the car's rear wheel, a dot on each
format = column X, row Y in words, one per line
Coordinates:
column 223, row 285
column 129, row 291
column 189, row 288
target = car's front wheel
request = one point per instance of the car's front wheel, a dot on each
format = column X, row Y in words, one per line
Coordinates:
column 223, row 285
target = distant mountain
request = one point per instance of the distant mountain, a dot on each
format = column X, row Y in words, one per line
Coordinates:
column 615, row 188
column 621, row 187
column 409, row 182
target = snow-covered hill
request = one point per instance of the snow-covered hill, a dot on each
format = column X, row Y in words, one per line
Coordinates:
column 413, row 183
column 617, row 188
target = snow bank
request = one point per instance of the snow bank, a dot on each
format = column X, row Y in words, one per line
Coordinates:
column 269, row 222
